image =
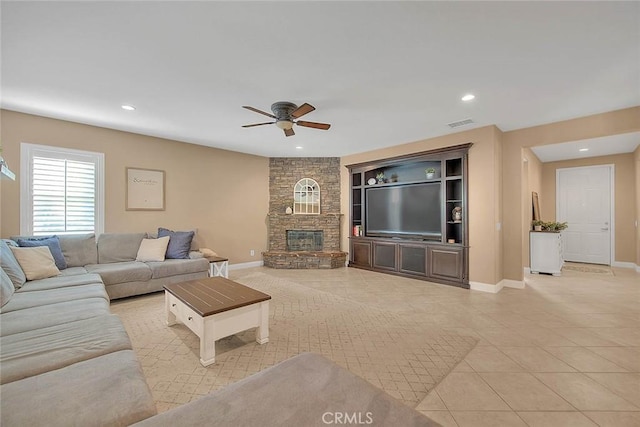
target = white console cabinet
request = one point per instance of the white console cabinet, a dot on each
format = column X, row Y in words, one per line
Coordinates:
column 545, row 252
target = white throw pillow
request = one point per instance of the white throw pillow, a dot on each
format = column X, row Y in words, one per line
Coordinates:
column 36, row 262
column 153, row 249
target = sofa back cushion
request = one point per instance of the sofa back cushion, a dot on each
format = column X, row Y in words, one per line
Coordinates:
column 6, row 288
column 118, row 247
column 52, row 242
column 79, row 249
column 10, row 265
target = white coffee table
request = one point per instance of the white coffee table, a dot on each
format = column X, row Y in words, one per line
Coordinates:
column 215, row 308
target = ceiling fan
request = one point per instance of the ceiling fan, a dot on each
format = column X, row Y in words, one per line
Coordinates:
column 286, row 115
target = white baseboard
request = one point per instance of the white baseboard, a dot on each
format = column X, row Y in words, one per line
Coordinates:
column 494, row 289
column 515, row 284
column 622, row 264
column 485, row 287
column 242, row 265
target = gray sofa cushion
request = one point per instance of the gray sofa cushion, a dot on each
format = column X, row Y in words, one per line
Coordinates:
column 174, row 267
column 60, row 282
column 108, row 390
column 23, row 300
column 11, row 266
column 6, row 288
column 41, row 350
column 296, row 392
column 79, row 249
column 118, row 247
column 52, row 314
column 121, row 272
column 73, row 271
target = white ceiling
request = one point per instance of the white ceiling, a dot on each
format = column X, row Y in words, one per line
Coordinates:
column 616, row 144
column 382, row 73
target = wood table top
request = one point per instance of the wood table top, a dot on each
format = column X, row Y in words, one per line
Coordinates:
column 214, row 295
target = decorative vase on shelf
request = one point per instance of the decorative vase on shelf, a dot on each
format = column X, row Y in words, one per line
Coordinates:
column 430, row 173
column 456, row 214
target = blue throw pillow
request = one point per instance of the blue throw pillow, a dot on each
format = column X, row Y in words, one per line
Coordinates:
column 52, row 242
column 179, row 243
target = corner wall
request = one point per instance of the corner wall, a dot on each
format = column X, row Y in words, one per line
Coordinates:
column 223, row 194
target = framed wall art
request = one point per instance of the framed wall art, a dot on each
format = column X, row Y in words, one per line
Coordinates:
column 145, row 189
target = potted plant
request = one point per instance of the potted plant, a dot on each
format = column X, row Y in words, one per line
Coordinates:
column 554, row 226
column 380, row 177
column 537, row 225
column 431, row 173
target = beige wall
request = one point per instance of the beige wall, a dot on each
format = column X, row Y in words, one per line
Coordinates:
column 636, row 157
column 531, row 181
column 223, row 194
column 611, row 123
column 485, row 257
column 625, row 194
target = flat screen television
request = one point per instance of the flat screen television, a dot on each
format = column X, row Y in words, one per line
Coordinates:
column 408, row 211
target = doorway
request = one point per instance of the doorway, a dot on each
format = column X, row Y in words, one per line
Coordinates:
column 584, row 201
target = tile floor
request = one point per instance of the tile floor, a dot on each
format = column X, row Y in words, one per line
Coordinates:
column 564, row 351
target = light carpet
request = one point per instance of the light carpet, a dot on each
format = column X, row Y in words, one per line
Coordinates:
column 404, row 357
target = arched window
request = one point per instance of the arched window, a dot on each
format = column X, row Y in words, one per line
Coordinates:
column 306, row 197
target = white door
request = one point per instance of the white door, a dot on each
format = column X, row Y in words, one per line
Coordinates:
column 583, row 200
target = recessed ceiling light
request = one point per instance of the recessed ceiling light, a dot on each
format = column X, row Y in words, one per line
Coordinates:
column 583, row 149
column 128, row 107
column 468, row 97
column 298, row 148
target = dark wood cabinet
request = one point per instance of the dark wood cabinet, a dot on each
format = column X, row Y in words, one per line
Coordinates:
column 385, row 255
column 428, row 241
column 360, row 253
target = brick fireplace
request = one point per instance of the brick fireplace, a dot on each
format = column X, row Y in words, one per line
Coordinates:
column 311, row 250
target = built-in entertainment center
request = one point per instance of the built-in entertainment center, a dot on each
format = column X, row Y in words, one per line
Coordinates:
column 408, row 215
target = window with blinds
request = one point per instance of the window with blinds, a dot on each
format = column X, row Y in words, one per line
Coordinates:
column 63, row 193
column 64, row 196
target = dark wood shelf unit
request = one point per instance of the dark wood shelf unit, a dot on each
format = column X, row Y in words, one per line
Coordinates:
column 442, row 259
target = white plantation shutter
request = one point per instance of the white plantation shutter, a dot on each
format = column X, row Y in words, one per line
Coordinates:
column 62, row 191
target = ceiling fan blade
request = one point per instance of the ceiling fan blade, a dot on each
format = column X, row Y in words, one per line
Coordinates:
column 323, row 126
column 289, row 132
column 302, row 110
column 257, row 124
column 258, row 111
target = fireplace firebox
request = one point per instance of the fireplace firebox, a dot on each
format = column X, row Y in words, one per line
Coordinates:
column 305, row 240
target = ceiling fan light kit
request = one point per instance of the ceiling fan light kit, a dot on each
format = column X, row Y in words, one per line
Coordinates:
column 285, row 114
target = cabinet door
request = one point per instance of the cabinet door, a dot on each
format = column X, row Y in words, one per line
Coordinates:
column 384, row 256
column 361, row 253
column 413, row 259
column 446, row 263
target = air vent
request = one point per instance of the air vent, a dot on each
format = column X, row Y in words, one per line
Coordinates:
column 459, row 123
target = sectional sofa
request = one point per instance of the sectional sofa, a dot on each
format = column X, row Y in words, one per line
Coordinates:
column 63, row 356
column 66, row 361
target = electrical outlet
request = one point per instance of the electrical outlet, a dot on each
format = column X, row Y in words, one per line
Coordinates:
column 252, row 252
